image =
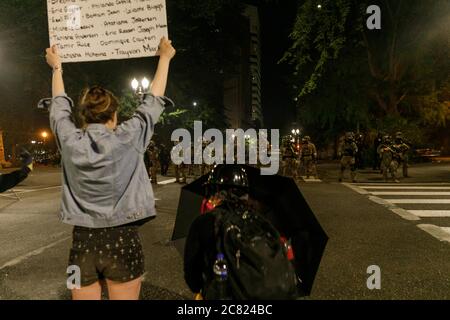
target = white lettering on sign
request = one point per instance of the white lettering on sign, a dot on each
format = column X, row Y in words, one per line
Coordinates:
column 90, row 30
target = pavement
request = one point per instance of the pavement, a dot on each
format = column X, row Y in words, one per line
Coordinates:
column 404, row 229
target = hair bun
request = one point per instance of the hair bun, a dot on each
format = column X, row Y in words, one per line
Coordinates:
column 98, row 105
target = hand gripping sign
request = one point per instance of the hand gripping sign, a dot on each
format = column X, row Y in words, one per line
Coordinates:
column 91, row 30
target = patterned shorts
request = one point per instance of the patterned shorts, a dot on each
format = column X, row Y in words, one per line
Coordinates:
column 107, row 253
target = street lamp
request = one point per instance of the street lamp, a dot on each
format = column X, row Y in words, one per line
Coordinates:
column 195, row 103
column 44, row 135
column 140, row 88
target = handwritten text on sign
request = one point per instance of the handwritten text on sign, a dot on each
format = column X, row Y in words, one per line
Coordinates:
column 89, row 30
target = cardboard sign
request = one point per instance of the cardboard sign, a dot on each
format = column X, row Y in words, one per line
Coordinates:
column 91, row 30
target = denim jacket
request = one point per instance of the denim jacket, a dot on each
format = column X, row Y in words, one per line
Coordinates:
column 105, row 182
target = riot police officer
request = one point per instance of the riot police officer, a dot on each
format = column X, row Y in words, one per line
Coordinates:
column 347, row 152
column 388, row 157
column 288, row 158
column 180, row 169
column 153, row 155
column 401, row 149
column 308, row 157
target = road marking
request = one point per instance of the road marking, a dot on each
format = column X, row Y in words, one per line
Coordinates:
column 311, row 179
column 418, row 201
column 397, row 210
column 409, row 193
column 32, row 253
column 355, row 188
column 406, row 187
column 32, row 190
column 168, row 181
column 442, row 234
column 430, row 213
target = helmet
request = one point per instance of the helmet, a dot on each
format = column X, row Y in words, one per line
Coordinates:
column 349, row 136
column 399, row 134
column 307, row 138
column 227, row 176
column 387, row 138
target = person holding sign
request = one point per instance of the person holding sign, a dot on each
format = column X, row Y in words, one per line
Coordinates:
column 106, row 192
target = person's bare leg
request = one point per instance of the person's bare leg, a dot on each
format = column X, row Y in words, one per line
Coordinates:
column 124, row 290
column 91, row 292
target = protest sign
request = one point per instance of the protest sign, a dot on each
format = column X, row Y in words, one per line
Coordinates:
column 91, row 30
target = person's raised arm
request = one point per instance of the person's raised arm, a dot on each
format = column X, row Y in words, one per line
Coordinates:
column 166, row 53
column 61, row 120
column 54, row 61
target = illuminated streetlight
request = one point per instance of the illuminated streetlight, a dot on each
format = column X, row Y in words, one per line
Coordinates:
column 140, row 88
column 195, row 103
column 135, row 84
column 319, row 6
column 44, row 134
column 145, row 84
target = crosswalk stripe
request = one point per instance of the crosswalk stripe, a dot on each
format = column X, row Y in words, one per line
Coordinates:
column 418, row 201
column 409, row 193
column 439, row 233
column 167, row 181
column 379, row 184
column 311, row 179
column 406, row 187
column 430, row 213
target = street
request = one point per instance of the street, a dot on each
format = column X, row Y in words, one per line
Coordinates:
column 402, row 228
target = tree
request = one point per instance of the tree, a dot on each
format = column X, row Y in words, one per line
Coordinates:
column 372, row 73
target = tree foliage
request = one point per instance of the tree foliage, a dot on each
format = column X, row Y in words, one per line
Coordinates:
column 346, row 74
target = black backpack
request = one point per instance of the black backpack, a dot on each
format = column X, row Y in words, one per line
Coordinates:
column 258, row 267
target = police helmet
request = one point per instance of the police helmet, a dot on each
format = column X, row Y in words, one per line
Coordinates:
column 228, row 177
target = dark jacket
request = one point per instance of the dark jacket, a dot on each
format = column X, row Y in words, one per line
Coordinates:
column 200, row 252
column 10, row 180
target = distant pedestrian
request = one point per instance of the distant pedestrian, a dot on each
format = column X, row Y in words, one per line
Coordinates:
column 106, row 195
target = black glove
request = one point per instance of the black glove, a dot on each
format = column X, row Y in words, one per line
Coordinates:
column 26, row 158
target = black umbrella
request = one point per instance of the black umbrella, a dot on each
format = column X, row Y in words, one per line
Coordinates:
column 288, row 211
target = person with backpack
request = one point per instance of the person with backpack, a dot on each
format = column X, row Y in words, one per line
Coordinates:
column 233, row 252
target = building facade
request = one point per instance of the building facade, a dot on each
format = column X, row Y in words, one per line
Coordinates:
column 242, row 89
